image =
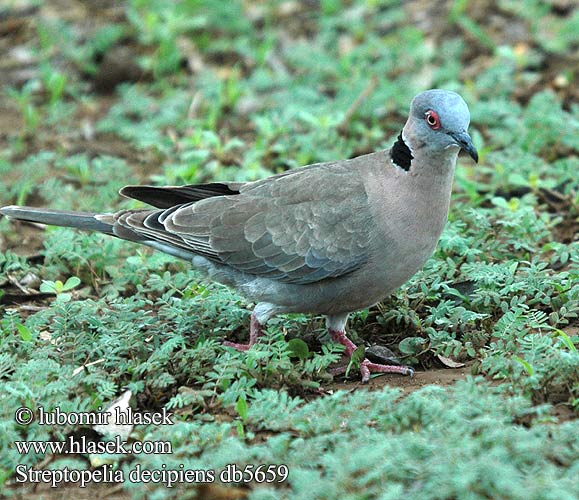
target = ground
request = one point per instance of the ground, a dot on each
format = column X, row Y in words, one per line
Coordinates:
column 97, row 95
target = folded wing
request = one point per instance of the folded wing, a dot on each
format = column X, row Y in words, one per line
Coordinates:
column 299, row 227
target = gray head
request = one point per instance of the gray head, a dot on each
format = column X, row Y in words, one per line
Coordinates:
column 438, row 122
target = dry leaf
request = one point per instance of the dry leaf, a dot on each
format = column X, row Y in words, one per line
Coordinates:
column 449, row 362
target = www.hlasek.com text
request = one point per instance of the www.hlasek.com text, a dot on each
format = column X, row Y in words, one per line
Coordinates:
column 84, row 446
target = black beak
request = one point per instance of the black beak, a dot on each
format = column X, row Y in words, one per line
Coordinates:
column 464, row 141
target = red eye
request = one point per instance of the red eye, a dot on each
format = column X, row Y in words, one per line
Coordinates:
column 432, row 119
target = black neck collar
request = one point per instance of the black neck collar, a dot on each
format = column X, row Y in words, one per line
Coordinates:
column 401, row 154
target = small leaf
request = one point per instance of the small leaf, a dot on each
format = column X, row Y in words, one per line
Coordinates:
column 71, row 283
column 358, row 355
column 64, row 297
column 25, row 332
column 566, row 340
column 513, row 267
column 411, row 345
column 298, row 348
column 48, row 287
column 526, row 364
column 356, row 359
column 242, row 408
column 449, row 362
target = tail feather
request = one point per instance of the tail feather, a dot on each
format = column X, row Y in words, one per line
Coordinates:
column 102, row 223
column 81, row 220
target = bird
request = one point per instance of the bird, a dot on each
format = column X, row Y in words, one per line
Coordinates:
column 327, row 239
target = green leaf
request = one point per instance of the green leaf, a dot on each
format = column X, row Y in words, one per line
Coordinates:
column 566, row 340
column 25, row 332
column 526, row 364
column 48, row 287
column 411, row 345
column 298, row 348
column 242, row 408
column 356, row 359
column 71, row 283
column 64, row 297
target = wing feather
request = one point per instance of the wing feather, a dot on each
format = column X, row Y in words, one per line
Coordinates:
column 301, row 227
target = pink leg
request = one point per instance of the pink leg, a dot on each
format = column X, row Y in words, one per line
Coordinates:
column 255, row 331
column 367, row 367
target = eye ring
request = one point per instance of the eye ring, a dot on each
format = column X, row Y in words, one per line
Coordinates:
column 432, row 119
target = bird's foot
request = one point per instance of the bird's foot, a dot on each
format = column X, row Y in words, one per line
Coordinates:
column 366, row 366
column 340, row 337
column 255, row 331
column 239, row 347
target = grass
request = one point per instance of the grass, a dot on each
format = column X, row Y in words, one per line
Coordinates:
column 239, row 91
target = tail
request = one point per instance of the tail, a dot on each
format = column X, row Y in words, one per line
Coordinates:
column 87, row 221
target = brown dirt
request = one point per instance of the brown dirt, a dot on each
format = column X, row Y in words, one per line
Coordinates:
column 437, row 376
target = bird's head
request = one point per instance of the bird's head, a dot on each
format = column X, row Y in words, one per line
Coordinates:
column 438, row 122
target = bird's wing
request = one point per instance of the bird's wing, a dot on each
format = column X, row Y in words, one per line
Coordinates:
column 169, row 196
column 300, row 228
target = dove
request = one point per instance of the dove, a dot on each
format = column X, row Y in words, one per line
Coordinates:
column 326, row 239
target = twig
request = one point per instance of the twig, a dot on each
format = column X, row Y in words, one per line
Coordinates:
column 15, row 282
column 196, row 102
column 367, row 92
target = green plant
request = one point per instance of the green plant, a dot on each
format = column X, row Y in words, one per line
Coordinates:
column 241, row 90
